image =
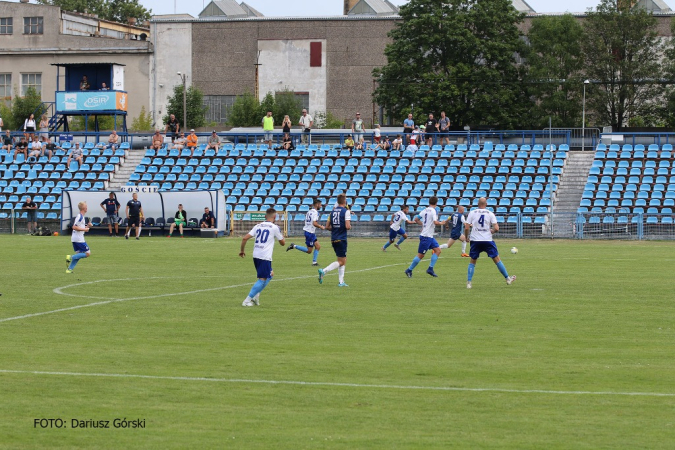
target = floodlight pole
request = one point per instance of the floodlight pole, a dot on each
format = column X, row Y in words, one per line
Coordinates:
column 583, row 119
column 550, row 171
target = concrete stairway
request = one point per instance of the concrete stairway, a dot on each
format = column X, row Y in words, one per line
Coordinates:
column 569, row 192
column 125, row 170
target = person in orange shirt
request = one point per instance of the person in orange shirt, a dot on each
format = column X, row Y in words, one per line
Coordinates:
column 192, row 141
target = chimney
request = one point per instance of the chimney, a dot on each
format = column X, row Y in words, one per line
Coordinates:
column 349, row 4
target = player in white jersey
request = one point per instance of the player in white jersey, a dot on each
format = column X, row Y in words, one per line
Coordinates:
column 396, row 228
column 483, row 224
column 265, row 234
column 80, row 226
column 311, row 224
column 428, row 219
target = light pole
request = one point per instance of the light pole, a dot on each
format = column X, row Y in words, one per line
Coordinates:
column 183, row 77
column 583, row 119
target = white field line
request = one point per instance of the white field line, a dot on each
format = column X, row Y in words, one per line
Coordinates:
column 107, row 300
column 332, row 384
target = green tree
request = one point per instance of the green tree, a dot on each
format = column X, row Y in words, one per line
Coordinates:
column 623, row 60
column 245, row 111
column 143, row 122
column 23, row 107
column 667, row 111
column 555, row 64
column 7, row 117
column 460, row 56
column 114, row 10
column 195, row 107
column 287, row 103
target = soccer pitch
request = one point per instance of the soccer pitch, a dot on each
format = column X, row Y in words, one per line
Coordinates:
column 577, row 353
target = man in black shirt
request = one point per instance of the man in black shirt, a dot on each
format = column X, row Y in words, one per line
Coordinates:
column 173, row 126
column 31, row 208
column 112, row 209
column 49, row 147
column 21, row 147
column 208, row 220
column 135, row 215
column 431, row 129
column 7, row 141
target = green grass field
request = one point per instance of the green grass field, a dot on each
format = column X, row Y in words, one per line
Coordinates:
column 577, row 353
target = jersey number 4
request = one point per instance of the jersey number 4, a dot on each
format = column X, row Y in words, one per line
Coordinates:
column 481, row 221
column 261, row 236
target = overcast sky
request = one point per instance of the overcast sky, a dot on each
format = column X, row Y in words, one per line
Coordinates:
column 334, row 7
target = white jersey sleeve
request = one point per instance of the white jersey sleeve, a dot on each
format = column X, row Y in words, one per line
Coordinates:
column 481, row 221
column 78, row 236
column 265, row 234
column 428, row 217
column 348, row 215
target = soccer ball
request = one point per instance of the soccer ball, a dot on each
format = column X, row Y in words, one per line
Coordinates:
column 514, row 250
column 56, row 233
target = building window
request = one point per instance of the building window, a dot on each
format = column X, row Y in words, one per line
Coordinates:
column 6, row 25
column 218, row 107
column 31, row 80
column 315, row 54
column 5, row 88
column 32, row 25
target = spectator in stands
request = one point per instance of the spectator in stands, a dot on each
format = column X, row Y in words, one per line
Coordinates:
column 192, row 141
column 286, row 124
column 84, row 83
column 444, row 128
column 408, row 127
column 29, row 127
column 7, row 141
column 214, row 141
column 396, row 144
column 349, row 142
column 180, row 220
column 431, row 128
column 358, row 128
column 376, row 134
column 157, row 140
column 104, row 87
column 306, row 122
column 361, row 144
column 21, row 147
column 31, row 209
column 44, row 126
column 268, row 128
column 113, row 140
column 76, row 154
column 49, row 147
column 415, row 136
column 174, row 126
column 34, row 149
column 112, row 210
column 208, row 219
column 287, row 142
column 180, row 142
column 385, row 144
column 2, row 124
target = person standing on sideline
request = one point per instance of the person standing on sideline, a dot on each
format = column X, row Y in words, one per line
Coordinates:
column 428, row 219
column 112, row 210
column 306, row 122
column 357, row 128
column 444, row 128
column 339, row 223
column 77, row 238
column 268, row 128
column 396, row 228
column 31, row 214
column 482, row 224
column 265, row 234
column 408, row 126
column 174, row 126
column 134, row 213
column 180, row 220
column 311, row 224
column 456, row 224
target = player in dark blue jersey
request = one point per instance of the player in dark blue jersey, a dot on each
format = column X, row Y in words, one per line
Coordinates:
column 338, row 223
column 456, row 225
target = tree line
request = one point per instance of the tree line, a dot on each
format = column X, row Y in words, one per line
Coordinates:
column 471, row 59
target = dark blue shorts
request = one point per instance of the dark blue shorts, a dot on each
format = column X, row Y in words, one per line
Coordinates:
column 455, row 235
column 263, row 267
column 393, row 233
column 134, row 220
column 488, row 247
column 340, row 248
column 310, row 239
column 80, row 247
column 426, row 243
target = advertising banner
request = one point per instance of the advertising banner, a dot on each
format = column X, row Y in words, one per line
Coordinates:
column 91, row 101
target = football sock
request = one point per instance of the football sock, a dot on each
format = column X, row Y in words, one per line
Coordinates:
column 301, row 248
column 502, row 269
column 472, row 267
column 416, row 260
column 257, row 287
column 331, row 266
column 387, row 244
column 315, row 256
column 400, row 241
column 464, row 247
column 434, row 258
column 341, row 274
column 75, row 258
column 443, row 246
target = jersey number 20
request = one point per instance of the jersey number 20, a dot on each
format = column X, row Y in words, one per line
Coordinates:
column 261, row 236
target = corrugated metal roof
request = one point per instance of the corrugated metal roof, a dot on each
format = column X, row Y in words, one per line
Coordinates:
column 378, row 7
column 522, row 6
column 251, row 11
column 655, row 6
column 229, row 8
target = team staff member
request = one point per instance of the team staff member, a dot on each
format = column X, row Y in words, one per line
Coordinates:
column 208, row 219
column 112, row 209
column 180, row 220
column 134, row 213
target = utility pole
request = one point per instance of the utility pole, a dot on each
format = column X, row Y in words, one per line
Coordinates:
column 183, row 77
